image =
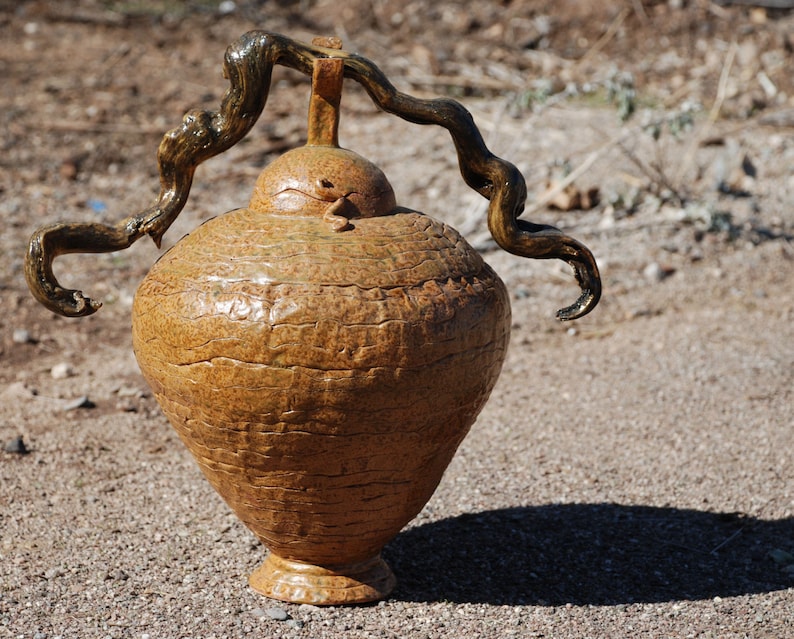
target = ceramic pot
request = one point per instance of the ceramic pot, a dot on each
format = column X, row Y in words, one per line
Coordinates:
column 323, row 351
column 322, row 380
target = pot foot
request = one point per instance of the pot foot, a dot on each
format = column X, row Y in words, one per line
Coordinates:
column 299, row 582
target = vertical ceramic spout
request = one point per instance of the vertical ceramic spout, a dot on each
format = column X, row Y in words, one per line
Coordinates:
column 327, row 77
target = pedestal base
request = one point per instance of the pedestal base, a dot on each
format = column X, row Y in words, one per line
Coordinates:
column 298, row 582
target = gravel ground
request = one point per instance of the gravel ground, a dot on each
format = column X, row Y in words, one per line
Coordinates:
column 631, row 475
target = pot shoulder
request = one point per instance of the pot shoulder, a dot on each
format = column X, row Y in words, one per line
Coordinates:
column 275, row 290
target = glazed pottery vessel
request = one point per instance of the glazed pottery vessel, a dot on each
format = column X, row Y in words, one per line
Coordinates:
column 323, row 351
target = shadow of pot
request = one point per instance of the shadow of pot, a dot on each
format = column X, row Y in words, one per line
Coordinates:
column 597, row 554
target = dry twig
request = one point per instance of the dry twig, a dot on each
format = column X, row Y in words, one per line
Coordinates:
column 580, row 170
column 714, row 113
column 604, row 39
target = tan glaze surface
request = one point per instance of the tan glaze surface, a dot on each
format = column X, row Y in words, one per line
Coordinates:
column 322, row 352
column 299, row 582
column 307, row 181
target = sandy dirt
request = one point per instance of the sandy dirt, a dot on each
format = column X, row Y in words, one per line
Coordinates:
column 632, row 473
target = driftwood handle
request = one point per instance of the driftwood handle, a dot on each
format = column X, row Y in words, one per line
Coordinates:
column 203, row 134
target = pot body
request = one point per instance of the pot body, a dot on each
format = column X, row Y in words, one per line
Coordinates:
column 322, row 380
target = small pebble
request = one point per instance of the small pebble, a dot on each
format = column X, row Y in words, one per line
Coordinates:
column 20, row 389
column 16, row 446
column 653, row 272
column 305, row 609
column 780, row 556
column 129, row 391
column 69, row 170
column 62, row 371
column 279, row 614
column 22, row 336
column 53, row 573
column 295, row 623
column 126, row 406
column 80, row 402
